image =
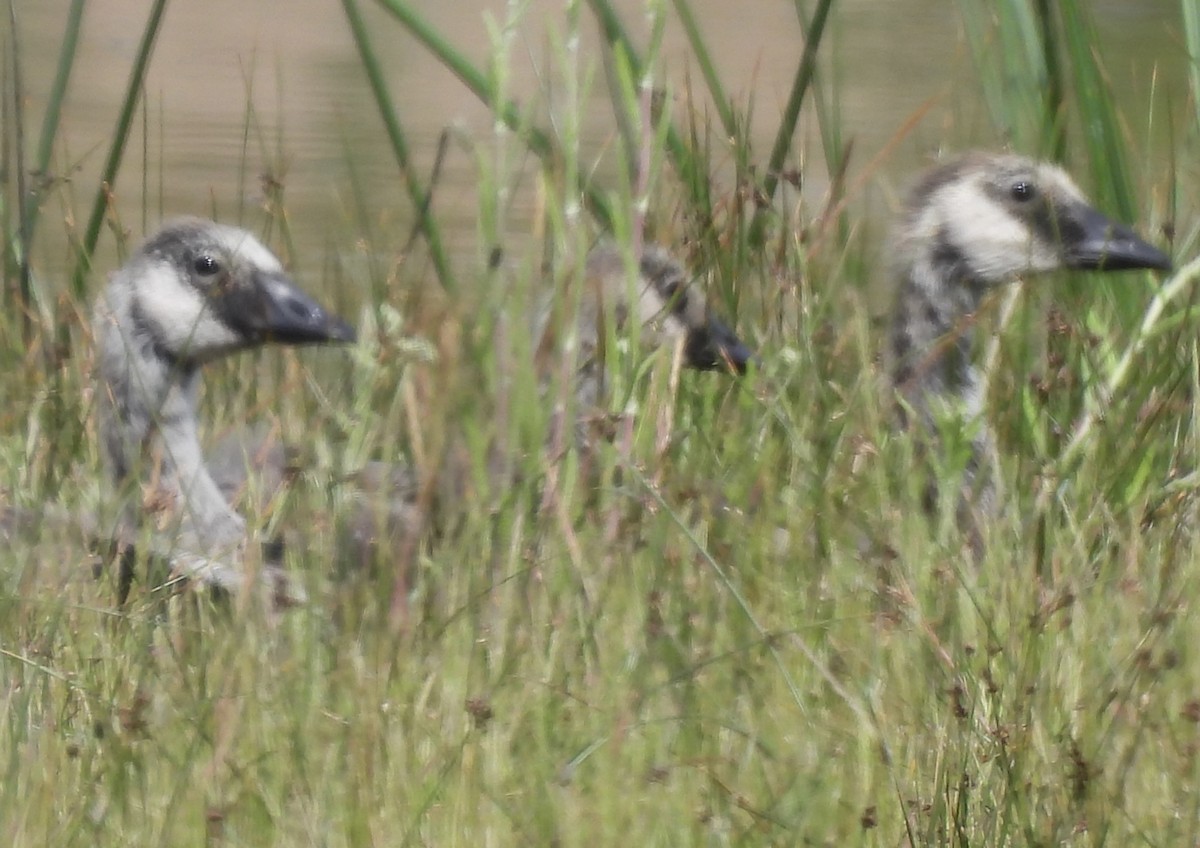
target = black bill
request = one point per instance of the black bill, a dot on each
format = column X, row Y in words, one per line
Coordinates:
column 715, row 346
column 1096, row 242
column 271, row 307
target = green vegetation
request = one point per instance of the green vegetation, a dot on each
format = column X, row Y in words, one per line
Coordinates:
column 740, row 628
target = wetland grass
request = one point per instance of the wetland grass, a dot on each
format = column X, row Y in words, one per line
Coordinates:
column 746, row 632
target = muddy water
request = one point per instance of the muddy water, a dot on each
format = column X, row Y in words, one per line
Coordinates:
column 239, row 91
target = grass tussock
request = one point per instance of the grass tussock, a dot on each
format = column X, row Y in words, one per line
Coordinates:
column 733, row 623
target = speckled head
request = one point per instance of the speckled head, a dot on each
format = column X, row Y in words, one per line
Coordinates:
column 993, row 217
column 200, row 289
column 668, row 307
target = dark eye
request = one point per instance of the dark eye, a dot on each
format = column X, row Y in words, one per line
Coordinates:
column 206, row 266
column 1023, row 191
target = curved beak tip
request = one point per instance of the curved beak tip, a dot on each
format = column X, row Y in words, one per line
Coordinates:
column 290, row 316
column 340, row 331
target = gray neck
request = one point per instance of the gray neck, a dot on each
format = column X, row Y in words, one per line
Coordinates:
column 932, row 331
column 147, row 412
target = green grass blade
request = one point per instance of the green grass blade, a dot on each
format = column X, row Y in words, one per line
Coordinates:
column 691, row 171
column 1102, row 136
column 1191, row 31
column 24, row 290
column 707, row 67
column 1054, row 125
column 538, row 141
column 827, row 107
column 784, row 136
column 387, row 111
column 30, row 205
column 116, row 151
column 800, row 84
column 1108, row 153
column 1009, row 50
column 54, row 102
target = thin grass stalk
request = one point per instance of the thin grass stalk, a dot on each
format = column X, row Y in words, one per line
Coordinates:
column 1054, row 126
column 244, row 151
column 791, row 112
column 387, row 112
column 829, row 122
column 650, row 140
column 50, row 120
column 616, row 72
column 691, row 171
column 145, row 172
column 977, row 28
column 537, row 140
column 632, row 98
column 24, row 304
column 1104, row 139
column 116, row 152
column 784, row 136
column 6, row 247
column 1008, row 50
column 707, row 67
column 1190, row 11
column 1102, row 135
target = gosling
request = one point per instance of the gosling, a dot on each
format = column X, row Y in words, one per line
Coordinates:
column 657, row 293
column 661, row 299
column 192, row 293
column 969, row 226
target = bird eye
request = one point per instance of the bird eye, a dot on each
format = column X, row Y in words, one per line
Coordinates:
column 1023, row 191
column 206, row 266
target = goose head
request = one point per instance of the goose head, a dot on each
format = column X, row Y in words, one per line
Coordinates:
column 198, row 290
column 985, row 219
column 668, row 308
column 973, row 224
column 194, row 291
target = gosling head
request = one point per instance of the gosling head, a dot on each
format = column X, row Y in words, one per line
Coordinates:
column 665, row 304
column 197, row 290
column 985, row 219
column 194, row 291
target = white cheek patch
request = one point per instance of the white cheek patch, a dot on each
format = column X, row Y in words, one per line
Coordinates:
column 182, row 319
column 995, row 244
column 696, row 312
column 657, row 326
column 656, row 316
column 673, row 329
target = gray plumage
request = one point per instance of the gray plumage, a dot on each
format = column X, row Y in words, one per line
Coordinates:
column 193, row 292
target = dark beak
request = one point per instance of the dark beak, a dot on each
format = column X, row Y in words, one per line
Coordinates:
column 714, row 346
column 1097, row 243
column 272, row 308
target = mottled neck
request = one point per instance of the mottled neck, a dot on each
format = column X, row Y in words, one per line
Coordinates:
column 932, row 331
column 931, row 340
